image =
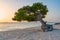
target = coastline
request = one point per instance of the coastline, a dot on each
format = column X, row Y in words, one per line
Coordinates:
column 18, row 25
column 28, row 34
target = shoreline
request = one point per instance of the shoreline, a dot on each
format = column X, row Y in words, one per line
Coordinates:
column 29, row 34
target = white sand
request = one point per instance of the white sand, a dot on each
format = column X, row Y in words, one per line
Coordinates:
column 30, row 34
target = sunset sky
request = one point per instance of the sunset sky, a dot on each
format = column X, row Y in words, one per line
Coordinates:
column 8, row 8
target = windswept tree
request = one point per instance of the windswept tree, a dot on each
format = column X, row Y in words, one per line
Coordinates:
column 29, row 12
column 36, row 12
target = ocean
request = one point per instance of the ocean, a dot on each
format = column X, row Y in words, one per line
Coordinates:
column 20, row 25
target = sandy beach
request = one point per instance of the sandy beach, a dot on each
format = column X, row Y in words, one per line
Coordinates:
column 29, row 20
column 32, row 33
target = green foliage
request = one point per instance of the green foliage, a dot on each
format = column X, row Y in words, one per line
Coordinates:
column 30, row 17
column 28, row 12
column 40, row 6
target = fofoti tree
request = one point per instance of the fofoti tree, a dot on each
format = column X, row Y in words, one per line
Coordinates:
column 35, row 12
column 29, row 12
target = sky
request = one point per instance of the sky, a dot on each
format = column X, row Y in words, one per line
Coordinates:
column 9, row 7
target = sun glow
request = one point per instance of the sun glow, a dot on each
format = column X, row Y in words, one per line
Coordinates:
column 2, row 15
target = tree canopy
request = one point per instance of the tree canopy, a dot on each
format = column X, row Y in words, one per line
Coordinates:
column 28, row 12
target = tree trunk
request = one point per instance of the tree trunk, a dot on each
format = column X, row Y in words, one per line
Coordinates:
column 38, row 18
column 45, row 27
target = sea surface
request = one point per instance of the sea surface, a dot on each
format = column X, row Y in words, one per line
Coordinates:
column 20, row 25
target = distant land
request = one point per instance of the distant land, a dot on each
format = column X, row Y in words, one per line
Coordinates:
column 57, row 23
